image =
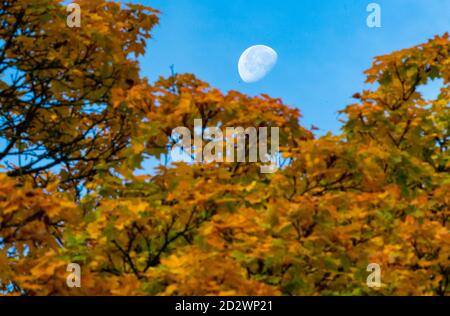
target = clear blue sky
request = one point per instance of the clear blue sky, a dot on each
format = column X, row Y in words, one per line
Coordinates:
column 323, row 45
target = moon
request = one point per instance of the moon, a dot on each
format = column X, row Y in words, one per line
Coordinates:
column 256, row 62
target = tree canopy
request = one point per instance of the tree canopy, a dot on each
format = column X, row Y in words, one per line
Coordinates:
column 77, row 121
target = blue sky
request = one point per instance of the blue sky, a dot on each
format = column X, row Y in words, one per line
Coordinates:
column 323, row 46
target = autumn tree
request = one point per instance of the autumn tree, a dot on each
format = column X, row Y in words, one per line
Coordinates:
column 58, row 86
column 376, row 193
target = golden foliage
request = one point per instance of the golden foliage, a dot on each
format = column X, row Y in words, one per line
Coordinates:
column 379, row 192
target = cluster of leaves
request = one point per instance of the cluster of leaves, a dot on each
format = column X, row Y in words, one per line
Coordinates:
column 379, row 192
column 58, row 86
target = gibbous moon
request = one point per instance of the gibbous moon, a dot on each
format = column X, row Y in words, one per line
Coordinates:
column 256, row 62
